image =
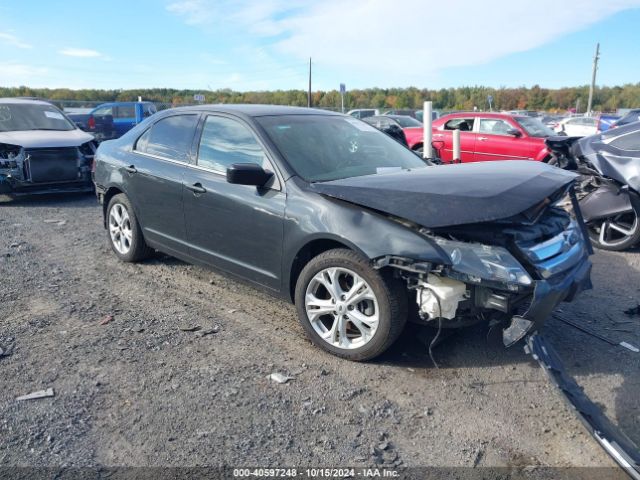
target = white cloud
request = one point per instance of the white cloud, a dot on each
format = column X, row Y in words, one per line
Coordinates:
column 407, row 43
column 426, row 37
column 260, row 18
column 12, row 40
column 80, row 52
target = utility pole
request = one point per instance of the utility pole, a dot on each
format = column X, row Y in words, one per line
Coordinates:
column 309, row 93
column 593, row 79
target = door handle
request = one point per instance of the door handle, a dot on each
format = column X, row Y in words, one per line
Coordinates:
column 197, row 188
column 438, row 135
column 482, row 139
column 131, row 169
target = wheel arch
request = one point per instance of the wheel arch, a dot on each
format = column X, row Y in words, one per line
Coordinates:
column 311, row 249
column 108, row 195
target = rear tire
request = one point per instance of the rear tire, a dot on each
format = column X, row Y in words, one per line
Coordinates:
column 124, row 232
column 347, row 308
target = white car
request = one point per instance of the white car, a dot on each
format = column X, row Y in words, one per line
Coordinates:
column 578, row 126
column 363, row 112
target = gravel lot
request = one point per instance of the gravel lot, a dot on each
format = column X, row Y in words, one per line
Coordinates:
column 139, row 390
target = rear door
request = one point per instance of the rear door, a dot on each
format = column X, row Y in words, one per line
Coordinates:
column 444, row 137
column 238, row 228
column 494, row 143
column 153, row 177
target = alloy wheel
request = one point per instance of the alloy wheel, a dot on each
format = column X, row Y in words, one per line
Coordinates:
column 120, row 229
column 342, row 308
column 617, row 230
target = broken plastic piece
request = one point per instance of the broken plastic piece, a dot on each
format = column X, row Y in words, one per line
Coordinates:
column 37, row 395
column 516, row 331
column 628, row 346
column 279, row 377
column 614, row 441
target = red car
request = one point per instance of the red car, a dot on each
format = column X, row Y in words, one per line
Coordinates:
column 491, row 136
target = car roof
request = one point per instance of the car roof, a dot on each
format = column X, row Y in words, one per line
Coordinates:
column 25, row 101
column 252, row 110
column 481, row 114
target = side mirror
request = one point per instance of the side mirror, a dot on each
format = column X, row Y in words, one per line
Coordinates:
column 248, row 174
column 515, row 132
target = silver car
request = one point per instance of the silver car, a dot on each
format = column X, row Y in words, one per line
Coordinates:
column 41, row 150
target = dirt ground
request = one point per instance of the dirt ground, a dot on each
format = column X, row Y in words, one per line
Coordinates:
column 140, row 390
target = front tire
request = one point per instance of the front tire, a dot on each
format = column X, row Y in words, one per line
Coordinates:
column 124, row 232
column 347, row 308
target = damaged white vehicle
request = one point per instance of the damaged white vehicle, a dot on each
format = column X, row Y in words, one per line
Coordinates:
column 41, row 150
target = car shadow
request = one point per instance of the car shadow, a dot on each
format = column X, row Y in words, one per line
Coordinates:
column 48, row 200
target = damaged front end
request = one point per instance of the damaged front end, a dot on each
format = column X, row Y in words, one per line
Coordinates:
column 512, row 272
column 27, row 171
column 506, row 252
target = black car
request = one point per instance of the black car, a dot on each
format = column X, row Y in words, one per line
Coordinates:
column 41, row 150
column 330, row 213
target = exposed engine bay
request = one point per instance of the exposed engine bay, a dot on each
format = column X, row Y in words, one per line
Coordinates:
column 42, row 170
column 512, row 272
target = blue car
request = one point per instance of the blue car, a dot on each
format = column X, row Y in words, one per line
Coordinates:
column 112, row 120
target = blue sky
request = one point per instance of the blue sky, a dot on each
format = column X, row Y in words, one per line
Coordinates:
column 265, row 44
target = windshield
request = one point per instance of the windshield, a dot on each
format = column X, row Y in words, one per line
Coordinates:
column 326, row 147
column 534, row 127
column 32, row 116
column 406, row 121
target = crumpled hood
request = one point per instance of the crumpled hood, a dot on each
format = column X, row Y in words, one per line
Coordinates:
column 46, row 138
column 453, row 194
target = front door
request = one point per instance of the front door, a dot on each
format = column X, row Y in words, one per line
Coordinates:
column 238, row 228
column 494, row 142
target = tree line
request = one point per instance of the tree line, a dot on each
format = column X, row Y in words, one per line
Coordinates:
column 606, row 99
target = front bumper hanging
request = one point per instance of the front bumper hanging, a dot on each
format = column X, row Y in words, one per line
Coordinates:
column 615, row 442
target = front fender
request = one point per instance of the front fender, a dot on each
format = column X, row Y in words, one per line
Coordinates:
column 311, row 216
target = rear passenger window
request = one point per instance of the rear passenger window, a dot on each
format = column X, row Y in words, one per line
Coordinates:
column 225, row 142
column 125, row 111
column 462, row 124
column 170, row 137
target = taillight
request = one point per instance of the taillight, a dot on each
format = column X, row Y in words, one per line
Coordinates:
column 91, row 123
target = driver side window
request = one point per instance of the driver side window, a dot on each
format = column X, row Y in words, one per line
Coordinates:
column 224, row 142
